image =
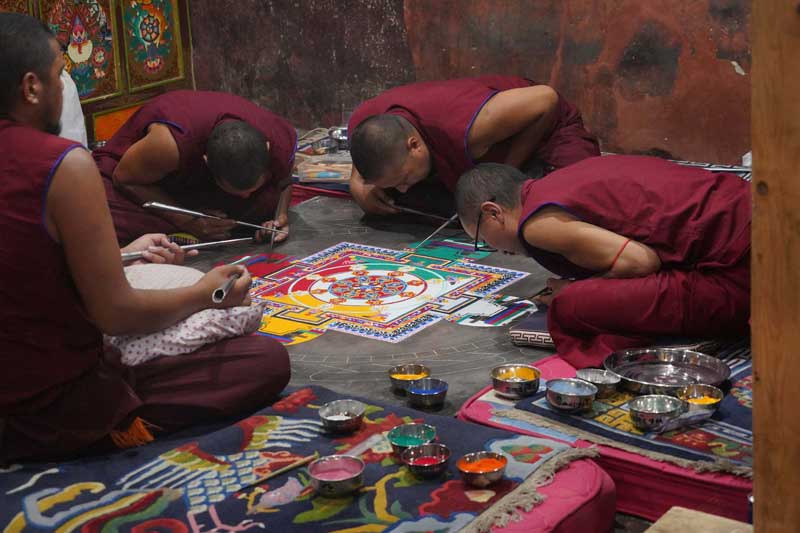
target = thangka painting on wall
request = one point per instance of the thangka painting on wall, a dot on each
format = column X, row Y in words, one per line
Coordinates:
column 85, row 30
column 16, row 6
column 152, row 42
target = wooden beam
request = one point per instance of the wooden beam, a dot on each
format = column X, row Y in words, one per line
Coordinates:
column 776, row 263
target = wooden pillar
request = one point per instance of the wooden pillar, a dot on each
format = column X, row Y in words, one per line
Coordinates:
column 776, row 263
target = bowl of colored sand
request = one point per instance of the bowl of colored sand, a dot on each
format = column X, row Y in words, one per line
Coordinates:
column 570, row 395
column 342, row 416
column 515, row 381
column 652, row 411
column 407, row 436
column 605, row 380
column 428, row 460
column 402, row 375
column 336, row 475
column 701, row 398
column 481, row 469
column 427, row 393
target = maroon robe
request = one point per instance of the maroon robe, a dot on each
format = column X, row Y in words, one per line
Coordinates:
column 698, row 222
column 191, row 116
column 59, row 391
column 443, row 113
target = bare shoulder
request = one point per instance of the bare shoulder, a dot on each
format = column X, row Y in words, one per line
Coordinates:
column 548, row 228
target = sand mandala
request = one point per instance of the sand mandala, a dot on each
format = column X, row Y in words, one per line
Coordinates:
column 372, row 292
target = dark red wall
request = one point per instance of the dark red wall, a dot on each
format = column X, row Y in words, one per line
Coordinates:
column 648, row 74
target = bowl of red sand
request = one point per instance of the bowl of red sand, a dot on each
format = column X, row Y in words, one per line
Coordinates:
column 428, row 460
column 481, row 469
column 336, row 475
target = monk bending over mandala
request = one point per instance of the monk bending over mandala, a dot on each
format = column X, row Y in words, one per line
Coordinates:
column 644, row 248
column 410, row 144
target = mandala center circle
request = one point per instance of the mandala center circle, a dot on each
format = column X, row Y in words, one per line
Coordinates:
column 369, row 287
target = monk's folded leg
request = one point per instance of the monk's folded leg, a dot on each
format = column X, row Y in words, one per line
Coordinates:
column 592, row 318
column 231, row 377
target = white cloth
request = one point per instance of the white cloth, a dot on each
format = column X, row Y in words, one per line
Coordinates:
column 199, row 329
column 73, row 126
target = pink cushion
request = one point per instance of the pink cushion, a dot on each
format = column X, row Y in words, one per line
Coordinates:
column 581, row 498
column 645, row 487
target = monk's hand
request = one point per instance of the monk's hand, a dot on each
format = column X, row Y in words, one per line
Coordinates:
column 239, row 293
column 281, row 223
column 210, row 229
column 555, row 285
column 371, row 198
column 157, row 248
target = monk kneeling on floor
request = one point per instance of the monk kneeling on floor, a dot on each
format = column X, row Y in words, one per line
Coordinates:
column 62, row 285
column 645, row 248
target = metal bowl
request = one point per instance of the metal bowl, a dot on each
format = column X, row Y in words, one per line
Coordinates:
column 665, row 370
column 570, row 395
column 336, row 475
column 410, row 435
column 515, row 381
column 326, row 145
column 697, row 390
column 428, row 460
column 400, row 384
column 427, row 393
column 483, row 478
column 342, row 416
column 650, row 412
column 340, row 135
column 605, row 380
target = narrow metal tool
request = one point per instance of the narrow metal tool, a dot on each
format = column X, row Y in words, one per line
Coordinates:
column 132, row 256
column 189, row 212
column 420, row 213
column 440, row 228
column 221, row 292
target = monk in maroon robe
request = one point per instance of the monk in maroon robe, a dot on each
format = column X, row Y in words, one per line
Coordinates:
column 206, row 151
column 645, row 248
column 427, row 134
column 62, row 285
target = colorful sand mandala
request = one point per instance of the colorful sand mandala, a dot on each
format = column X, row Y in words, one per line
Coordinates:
column 373, row 292
column 493, row 311
column 453, row 249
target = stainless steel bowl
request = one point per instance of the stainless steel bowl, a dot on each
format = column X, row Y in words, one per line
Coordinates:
column 340, row 135
column 605, row 380
column 665, row 370
column 336, row 475
column 515, row 381
column 695, row 391
column 483, row 478
column 410, row 369
column 651, row 412
column 428, row 460
column 427, row 393
column 570, row 395
column 342, row 416
column 410, row 435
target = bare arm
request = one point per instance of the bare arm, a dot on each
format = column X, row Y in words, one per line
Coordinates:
column 590, row 246
column 524, row 115
column 78, row 217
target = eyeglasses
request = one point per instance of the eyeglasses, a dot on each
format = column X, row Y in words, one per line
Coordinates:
column 478, row 231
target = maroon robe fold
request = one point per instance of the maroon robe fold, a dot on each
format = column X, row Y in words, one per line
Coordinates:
column 698, row 222
column 443, row 113
column 191, row 116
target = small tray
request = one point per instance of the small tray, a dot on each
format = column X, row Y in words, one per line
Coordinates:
column 665, row 370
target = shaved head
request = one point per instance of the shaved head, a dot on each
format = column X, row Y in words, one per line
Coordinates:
column 487, row 182
column 378, row 145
